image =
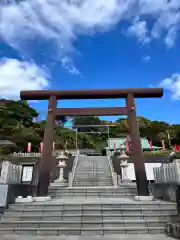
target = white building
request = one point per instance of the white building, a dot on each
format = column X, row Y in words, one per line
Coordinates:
column 151, row 161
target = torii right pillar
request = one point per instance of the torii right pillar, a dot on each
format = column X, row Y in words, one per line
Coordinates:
column 139, row 164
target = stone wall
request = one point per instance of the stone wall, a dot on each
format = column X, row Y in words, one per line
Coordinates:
column 173, row 230
column 25, row 189
column 166, row 191
column 36, row 160
column 150, row 164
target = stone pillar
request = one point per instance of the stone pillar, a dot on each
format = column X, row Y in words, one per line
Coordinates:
column 5, row 172
column 61, row 166
column 124, row 166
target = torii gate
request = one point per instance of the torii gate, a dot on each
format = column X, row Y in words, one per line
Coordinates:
column 53, row 113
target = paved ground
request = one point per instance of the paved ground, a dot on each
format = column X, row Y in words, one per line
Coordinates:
column 89, row 237
column 90, row 200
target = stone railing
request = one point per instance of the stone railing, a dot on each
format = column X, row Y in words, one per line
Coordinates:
column 114, row 174
column 167, row 172
column 71, row 174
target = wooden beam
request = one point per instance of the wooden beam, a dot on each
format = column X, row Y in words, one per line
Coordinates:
column 92, row 94
column 106, row 111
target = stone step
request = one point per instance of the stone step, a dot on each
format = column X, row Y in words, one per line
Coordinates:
column 81, row 223
column 96, row 205
column 90, row 181
column 82, row 231
column 88, row 209
column 83, row 216
column 98, row 194
column 100, row 171
column 94, row 183
column 61, row 195
column 77, row 193
column 87, row 177
column 119, row 188
column 53, row 212
column 93, row 179
column 91, row 184
column 91, row 190
column 111, row 193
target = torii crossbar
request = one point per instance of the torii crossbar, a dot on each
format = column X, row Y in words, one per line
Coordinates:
column 53, row 113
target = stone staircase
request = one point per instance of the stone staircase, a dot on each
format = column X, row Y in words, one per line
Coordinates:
column 89, row 207
column 92, row 171
column 93, row 192
column 88, row 217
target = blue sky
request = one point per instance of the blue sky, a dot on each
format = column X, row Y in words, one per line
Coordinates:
column 88, row 44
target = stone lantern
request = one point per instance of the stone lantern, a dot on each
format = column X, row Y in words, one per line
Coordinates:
column 124, row 165
column 61, row 165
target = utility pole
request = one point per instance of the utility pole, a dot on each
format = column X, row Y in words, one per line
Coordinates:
column 109, row 140
column 76, row 140
column 169, row 138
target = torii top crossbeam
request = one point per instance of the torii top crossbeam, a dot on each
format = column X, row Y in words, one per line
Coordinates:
column 92, row 94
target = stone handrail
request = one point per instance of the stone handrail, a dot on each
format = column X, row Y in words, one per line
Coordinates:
column 71, row 174
column 114, row 174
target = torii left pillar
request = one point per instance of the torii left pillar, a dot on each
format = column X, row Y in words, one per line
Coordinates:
column 46, row 161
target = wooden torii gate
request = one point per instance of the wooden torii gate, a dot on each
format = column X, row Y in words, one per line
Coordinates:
column 53, row 113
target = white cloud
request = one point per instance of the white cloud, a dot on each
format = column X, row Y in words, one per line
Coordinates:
column 60, row 22
column 139, row 30
column 172, row 84
column 146, row 58
column 16, row 75
column 170, row 37
column 68, row 65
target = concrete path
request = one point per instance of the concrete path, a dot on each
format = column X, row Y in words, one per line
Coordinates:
column 89, row 237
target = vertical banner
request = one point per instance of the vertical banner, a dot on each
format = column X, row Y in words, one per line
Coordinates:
column 150, row 144
column 127, row 146
column 29, row 147
column 163, row 145
column 114, row 147
column 177, row 147
column 41, row 147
